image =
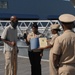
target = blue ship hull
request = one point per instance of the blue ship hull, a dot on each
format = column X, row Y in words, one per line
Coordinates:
column 36, row 9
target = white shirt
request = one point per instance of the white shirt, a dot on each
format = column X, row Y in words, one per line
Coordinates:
column 9, row 34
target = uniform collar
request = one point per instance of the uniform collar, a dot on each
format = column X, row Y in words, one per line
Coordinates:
column 67, row 31
column 54, row 35
column 34, row 33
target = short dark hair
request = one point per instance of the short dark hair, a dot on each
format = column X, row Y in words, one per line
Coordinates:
column 70, row 24
column 34, row 25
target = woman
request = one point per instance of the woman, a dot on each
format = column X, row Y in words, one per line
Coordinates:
column 54, row 29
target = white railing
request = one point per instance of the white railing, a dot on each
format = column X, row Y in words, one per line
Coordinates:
column 25, row 25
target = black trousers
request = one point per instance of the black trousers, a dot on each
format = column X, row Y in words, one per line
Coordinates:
column 35, row 61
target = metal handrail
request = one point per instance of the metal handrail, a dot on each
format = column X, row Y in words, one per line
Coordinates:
column 24, row 25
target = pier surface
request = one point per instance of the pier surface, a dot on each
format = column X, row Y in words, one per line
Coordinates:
column 23, row 66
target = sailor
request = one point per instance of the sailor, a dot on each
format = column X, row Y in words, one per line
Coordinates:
column 64, row 47
column 35, row 55
column 55, row 28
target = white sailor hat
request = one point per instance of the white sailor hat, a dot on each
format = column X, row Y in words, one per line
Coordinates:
column 67, row 18
column 54, row 26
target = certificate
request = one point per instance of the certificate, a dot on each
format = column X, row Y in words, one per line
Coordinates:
column 43, row 42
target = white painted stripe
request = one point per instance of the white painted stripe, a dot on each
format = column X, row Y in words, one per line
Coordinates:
column 1, row 49
column 27, row 58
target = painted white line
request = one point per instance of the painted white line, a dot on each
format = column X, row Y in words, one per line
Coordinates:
column 1, row 49
column 28, row 57
column 45, row 60
column 22, row 56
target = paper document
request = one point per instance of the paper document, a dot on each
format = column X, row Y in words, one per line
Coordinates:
column 43, row 42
